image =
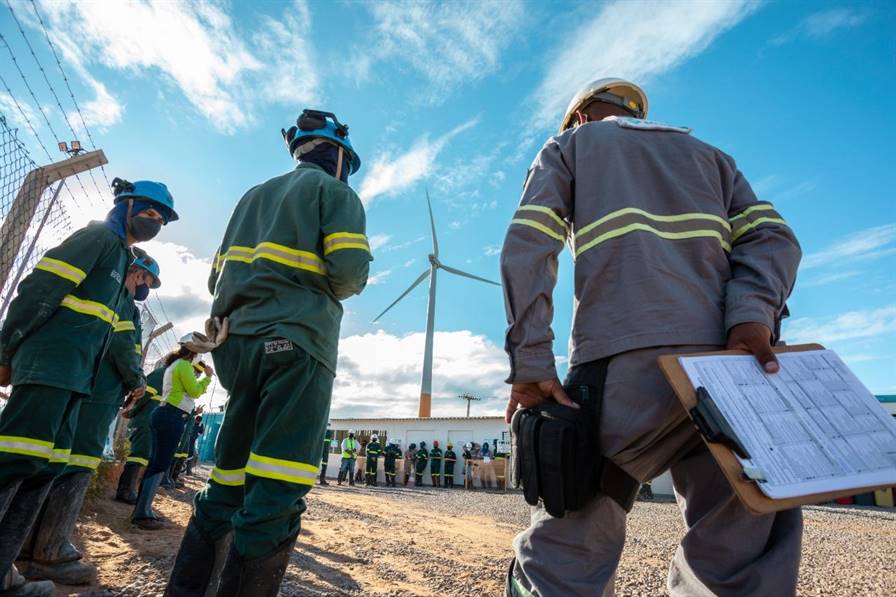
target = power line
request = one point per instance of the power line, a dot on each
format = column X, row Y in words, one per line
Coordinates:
column 67, row 85
column 52, row 91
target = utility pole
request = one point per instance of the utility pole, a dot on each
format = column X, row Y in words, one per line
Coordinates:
column 469, row 398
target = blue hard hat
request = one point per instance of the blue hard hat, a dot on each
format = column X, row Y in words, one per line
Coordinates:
column 148, row 190
column 152, row 266
column 316, row 124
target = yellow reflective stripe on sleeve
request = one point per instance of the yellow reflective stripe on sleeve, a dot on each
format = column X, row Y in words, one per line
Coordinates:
column 138, row 349
column 26, row 446
column 157, row 398
column 138, row 460
column 538, row 226
column 124, row 326
column 230, row 477
column 545, row 210
column 743, row 230
column 754, row 216
column 152, row 391
column 60, row 455
column 84, row 461
column 61, row 269
column 345, row 240
column 304, row 260
column 86, row 307
column 655, row 217
column 753, row 209
column 282, row 470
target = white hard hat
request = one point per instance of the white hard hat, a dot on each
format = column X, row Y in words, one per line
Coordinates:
column 194, row 342
column 611, row 90
column 351, row 431
column 468, row 445
column 374, row 438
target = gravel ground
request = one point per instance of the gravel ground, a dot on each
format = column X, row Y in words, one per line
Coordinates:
column 408, row 541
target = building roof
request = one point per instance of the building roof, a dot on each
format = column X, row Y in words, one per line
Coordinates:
column 886, row 398
column 487, row 418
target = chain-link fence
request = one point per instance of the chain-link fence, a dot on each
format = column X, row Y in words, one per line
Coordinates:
column 27, row 221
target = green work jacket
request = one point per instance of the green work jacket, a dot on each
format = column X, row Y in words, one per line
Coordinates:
column 435, row 456
column 391, row 454
column 294, row 248
column 59, row 325
column 374, row 450
column 120, row 370
column 422, row 455
column 142, row 410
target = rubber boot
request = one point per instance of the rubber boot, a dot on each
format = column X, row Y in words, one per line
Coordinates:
column 52, row 556
column 176, row 469
column 258, row 577
column 340, row 477
column 21, row 513
column 14, row 584
column 198, row 560
column 143, row 515
column 323, row 476
column 127, row 483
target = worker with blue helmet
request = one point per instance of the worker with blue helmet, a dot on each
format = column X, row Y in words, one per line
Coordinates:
column 319, row 134
column 51, row 344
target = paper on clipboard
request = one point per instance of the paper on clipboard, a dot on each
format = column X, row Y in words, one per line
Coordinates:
column 810, row 428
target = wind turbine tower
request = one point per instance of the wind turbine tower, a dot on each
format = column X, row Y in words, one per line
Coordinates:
column 425, row 408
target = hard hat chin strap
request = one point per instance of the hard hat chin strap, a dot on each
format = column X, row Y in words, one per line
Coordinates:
column 339, row 163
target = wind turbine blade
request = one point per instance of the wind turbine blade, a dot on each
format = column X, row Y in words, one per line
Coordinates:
column 432, row 222
column 416, row 283
column 457, row 272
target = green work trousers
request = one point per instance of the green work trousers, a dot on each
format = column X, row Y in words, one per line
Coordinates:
column 94, row 419
column 268, row 449
column 36, row 430
column 140, row 438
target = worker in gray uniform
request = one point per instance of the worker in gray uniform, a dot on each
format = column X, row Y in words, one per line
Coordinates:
column 673, row 254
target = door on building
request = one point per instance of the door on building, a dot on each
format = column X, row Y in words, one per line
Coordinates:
column 458, row 439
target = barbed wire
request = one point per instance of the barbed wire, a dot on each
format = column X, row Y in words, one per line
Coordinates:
column 52, row 91
column 67, row 85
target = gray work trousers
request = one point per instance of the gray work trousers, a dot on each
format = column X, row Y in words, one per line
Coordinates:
column 726, row 550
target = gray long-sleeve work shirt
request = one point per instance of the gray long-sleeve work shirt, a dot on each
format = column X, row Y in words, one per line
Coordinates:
column 671, row 246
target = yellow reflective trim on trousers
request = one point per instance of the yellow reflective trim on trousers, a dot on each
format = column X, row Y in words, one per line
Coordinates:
column 93, row 308
column 124, row 326
column 655, row 217
column 545, row 210
column 749, row 210
column 229, row 477
column 84, row 461
column 138, row 460
column 26, row 446
column 281, row 470
column 60, row 455
column 538, row 226
column 662, row 234
column 282, row 254
column 61, row 269
column 744, row 229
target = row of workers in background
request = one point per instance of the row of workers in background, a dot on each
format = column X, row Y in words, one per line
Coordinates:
column 480, row 464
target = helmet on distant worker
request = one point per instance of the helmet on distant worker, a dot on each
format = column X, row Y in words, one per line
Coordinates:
column 374, row 438
column 435, row 443
column 609, row 90
column 351, row 431
column 422, row 445
column 314, row 127
column 150, row 191
column 450, row 446
column 150, row 265
column 412, row 446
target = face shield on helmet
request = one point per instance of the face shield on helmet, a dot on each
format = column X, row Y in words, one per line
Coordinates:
column 609, row 90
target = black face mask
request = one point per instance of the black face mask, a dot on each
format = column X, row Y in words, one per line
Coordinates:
column 141, row 293
column 143, row 229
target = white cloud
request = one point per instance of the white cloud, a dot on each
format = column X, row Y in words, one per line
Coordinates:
column 194, row 46
column 410, row 262
column 864, row 244
column 379, row 374
column 492, row 250
column 15, row 118
column 852, row 325
column 379, row 277
column 447, row 43
column 378, row 240
column 637, row 40
column 828, row 279
column 823, row 23
column 389, row 176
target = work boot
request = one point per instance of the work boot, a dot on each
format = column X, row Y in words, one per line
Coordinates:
column 200, row 560
column 21, row 513
column 340, row 477
column 176, row 469
column 14, row 584
column 143, row 515
column 258, row 577
column 52, row 556
column 127, row 482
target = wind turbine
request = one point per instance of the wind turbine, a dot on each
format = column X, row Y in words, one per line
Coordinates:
column 435, row 265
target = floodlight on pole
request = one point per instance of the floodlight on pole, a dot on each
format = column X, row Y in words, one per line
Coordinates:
column 425, row 406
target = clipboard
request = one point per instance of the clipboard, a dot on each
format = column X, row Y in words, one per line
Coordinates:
column 724, row 449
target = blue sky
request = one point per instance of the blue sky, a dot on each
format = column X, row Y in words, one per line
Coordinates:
column 457, row 98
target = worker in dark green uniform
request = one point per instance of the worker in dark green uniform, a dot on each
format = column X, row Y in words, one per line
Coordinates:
column 390, row 456
column 374, row 451
column 294, row 248
column 56, row 330
column 420, row 465
column 139, row 415
column 435, row 464
column 49, row 553
column 450, row 459
column 325, row 456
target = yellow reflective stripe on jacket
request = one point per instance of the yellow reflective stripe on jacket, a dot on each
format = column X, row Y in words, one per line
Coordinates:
column 138, row 349
column 345, row 240
column 181, row 455
column 152, row 391
column 670, row 227
column 84, row 461
column 282, row 254
column 230, row 477
column 138, row 460
column 60, row 455
column 61, row 269
column 27, row 446
column 98, row 310
column 123, row 326
column 282, row 470
column 543, row 219
column 754, row 216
